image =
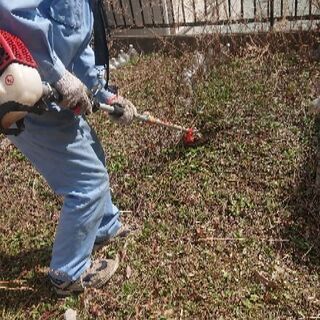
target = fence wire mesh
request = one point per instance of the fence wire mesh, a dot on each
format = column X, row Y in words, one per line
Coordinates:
column 205, row 16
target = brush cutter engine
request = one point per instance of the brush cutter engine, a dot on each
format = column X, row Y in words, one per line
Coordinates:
column 20, row 83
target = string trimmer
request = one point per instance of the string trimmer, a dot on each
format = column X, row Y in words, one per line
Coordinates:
column 18, row 69
column 191, row 136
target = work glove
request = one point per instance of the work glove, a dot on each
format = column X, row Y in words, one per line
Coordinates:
column 129, row 110
column 73, row 93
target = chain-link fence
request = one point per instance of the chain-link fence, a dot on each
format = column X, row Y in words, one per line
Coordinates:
column 168, row 17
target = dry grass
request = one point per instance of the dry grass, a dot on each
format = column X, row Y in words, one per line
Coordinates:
column 228, row 230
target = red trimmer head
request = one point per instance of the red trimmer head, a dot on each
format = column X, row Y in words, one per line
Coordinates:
column 192, row 138
column 12, row 49
column 189, row 137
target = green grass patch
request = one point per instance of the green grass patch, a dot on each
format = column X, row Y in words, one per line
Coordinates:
column 227, row 230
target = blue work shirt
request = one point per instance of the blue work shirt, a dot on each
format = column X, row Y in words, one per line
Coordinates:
column 57, row 33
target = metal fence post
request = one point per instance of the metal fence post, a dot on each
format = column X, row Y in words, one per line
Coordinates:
column 271, row 14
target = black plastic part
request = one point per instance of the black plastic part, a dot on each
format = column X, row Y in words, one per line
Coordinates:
column 12, row 106
column 56, row 96
column 113, row 89
column 95, row 106
column 118, row 110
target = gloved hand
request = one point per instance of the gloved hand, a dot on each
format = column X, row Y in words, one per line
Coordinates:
column 74, row 93
column 129, row 110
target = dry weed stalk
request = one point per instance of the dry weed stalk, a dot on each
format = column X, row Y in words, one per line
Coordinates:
column 14, row 285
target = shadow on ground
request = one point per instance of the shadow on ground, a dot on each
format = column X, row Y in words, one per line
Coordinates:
column 24, row 279
column 303, row 229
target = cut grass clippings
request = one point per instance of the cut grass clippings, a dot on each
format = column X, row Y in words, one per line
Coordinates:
column 227, row 230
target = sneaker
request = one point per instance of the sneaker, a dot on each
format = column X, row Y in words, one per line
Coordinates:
column 96, row 276
column 122, row 232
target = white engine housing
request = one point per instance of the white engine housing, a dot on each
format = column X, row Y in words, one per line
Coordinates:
column 20, row 83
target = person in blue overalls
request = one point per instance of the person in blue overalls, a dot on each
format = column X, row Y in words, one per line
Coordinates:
column 61, row 145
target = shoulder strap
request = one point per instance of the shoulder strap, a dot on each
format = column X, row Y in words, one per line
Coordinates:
column 101, row 30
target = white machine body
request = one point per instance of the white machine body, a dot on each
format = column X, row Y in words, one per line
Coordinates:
column 20, row 83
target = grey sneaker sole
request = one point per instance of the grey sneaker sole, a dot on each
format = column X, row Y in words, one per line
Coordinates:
column 95, row 277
